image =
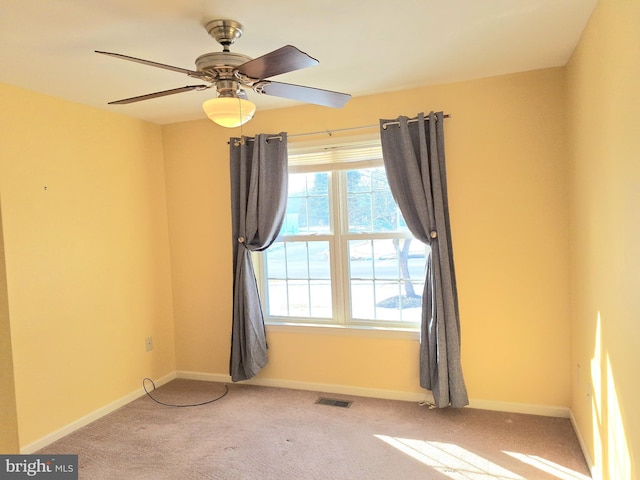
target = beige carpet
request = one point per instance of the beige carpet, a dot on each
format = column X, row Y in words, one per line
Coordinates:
column 262, row 433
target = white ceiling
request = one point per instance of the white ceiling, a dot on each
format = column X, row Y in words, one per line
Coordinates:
column 364, row 46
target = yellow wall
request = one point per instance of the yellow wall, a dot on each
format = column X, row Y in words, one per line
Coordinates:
column 87, row 257
column 603, row 78
column 8, row 415
column 508, row 187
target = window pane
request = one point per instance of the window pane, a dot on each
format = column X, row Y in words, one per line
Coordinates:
column 319, row 265
column 361, row 259
column 370, row 204
column 404, row 308
column 277, row 297
column 379, row 180
column 295, row 215
column 388, row 300
column 298, row 279
column 275, row 265
column 362, row 291
column 359, row 207
column 297, row 257
column 320, row 291
column 307, row 204
column 298, row 298
column 385, row 212
column 318, row 214
column 358, row 181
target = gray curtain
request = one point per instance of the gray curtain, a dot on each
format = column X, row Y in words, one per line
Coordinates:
column 259, row 176
column 413, row 152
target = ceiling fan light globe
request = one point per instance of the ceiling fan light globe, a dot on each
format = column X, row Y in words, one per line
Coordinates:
column 229, row 112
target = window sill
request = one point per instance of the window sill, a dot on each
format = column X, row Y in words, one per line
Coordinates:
column 342, row 330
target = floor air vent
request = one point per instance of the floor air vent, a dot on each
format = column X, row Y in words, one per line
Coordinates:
column 333, row 402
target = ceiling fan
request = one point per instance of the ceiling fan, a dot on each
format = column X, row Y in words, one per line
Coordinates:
column 229, row 72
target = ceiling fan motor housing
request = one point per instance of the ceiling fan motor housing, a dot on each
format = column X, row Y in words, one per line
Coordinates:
column 218, row 60
column 220, row 68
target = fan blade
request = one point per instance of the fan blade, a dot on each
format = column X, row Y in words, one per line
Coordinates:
column 283, row 60
column 191, row 73
column 316, row 96
column 164, row 93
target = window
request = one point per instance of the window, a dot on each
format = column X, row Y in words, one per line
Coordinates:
column 344, row 255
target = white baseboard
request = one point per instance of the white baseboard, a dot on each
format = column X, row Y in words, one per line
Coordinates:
column 314, row 387
column 531, row 409
column 596, row 474
column 91, row 417
column 205, row 377
column 527, row 408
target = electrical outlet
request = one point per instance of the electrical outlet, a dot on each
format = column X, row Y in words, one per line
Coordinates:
column 148, row 343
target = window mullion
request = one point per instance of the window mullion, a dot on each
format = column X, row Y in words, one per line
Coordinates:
column 309, row 281
column 286, row 277
column 342, row 240
column 340, row 299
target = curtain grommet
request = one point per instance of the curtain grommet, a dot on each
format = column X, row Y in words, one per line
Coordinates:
column 240, row 239
column 433, row 234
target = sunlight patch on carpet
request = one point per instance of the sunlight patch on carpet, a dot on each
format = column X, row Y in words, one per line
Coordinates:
column 451, row 460
column 558, row 471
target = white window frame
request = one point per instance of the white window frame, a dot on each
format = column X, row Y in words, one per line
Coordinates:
column 335, row 156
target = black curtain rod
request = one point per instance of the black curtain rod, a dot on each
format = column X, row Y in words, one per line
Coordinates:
column 331, row 132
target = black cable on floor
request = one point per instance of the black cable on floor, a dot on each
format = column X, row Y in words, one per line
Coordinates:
column 144, row 385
